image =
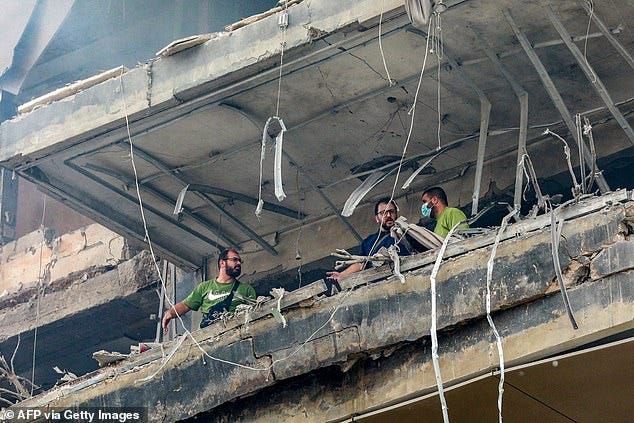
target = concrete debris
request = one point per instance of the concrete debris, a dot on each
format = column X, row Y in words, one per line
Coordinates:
column 378, row 258
column 71, row 89
column 105, row 357
column 423, row 235
column 67, row 376
column 393, row 253
column 144, row 346
column 185, row 43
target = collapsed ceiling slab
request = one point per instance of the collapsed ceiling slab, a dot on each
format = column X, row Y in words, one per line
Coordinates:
column 196, row 118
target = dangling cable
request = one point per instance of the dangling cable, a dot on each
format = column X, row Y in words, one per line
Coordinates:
column 387, row 72
column 439, row 49
column 576, row 186
column 40, row 280
column 162, row 280
column 590, row 4
column 283, row 24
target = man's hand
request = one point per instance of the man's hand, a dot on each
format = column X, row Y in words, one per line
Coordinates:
column 334, row 275
column 178, row 310
column 166, row 319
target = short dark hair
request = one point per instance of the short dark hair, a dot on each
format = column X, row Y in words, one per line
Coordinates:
column 437, row 192
column 224, row 254
column 384, row 200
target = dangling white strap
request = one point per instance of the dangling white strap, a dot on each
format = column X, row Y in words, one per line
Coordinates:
column 279, row 190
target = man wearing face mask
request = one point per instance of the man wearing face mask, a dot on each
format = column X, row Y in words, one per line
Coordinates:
column 435, row 206
column 385, row 213
column 216, row 295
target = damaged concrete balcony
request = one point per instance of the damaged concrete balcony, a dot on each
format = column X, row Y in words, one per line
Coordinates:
column 251, row 368
column 67, row 296
column 505, row 103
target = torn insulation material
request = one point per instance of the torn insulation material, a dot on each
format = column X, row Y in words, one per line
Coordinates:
column 420, row 169
column 555, row 236
column 279, row 190
column 178, row 208
column 361, row 191
column 397, row 263
column 498, row 338
column 273, row 130
column 278, row 293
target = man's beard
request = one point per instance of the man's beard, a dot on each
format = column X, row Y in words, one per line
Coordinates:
column 234, row 272
column 386, row 228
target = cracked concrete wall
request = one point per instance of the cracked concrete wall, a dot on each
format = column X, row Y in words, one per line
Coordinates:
column 87, row 290
column 41, row 254
column 375, row 319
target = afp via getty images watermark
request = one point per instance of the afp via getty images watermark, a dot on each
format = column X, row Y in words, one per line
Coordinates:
column 75, row 415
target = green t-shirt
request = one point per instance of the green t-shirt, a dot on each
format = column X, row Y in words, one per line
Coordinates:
column 447, row 220
column 209, row 293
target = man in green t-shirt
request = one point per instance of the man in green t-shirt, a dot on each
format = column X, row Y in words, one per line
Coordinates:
column 435, row 205
column 221, row 294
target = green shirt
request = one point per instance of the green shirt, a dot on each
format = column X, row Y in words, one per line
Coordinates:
column 209, row 293
column 448, row 219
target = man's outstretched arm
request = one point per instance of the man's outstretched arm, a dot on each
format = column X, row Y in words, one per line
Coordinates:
column 179, row 309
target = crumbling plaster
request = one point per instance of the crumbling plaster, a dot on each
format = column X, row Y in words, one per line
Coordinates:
column 44, row 256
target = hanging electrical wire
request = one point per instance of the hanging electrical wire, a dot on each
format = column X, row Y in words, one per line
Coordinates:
column 412, row 114
column 590, row 4
column 576, row 187
column 387, row 72
column 438, row 50
column 274, row 127
column 40, row 287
